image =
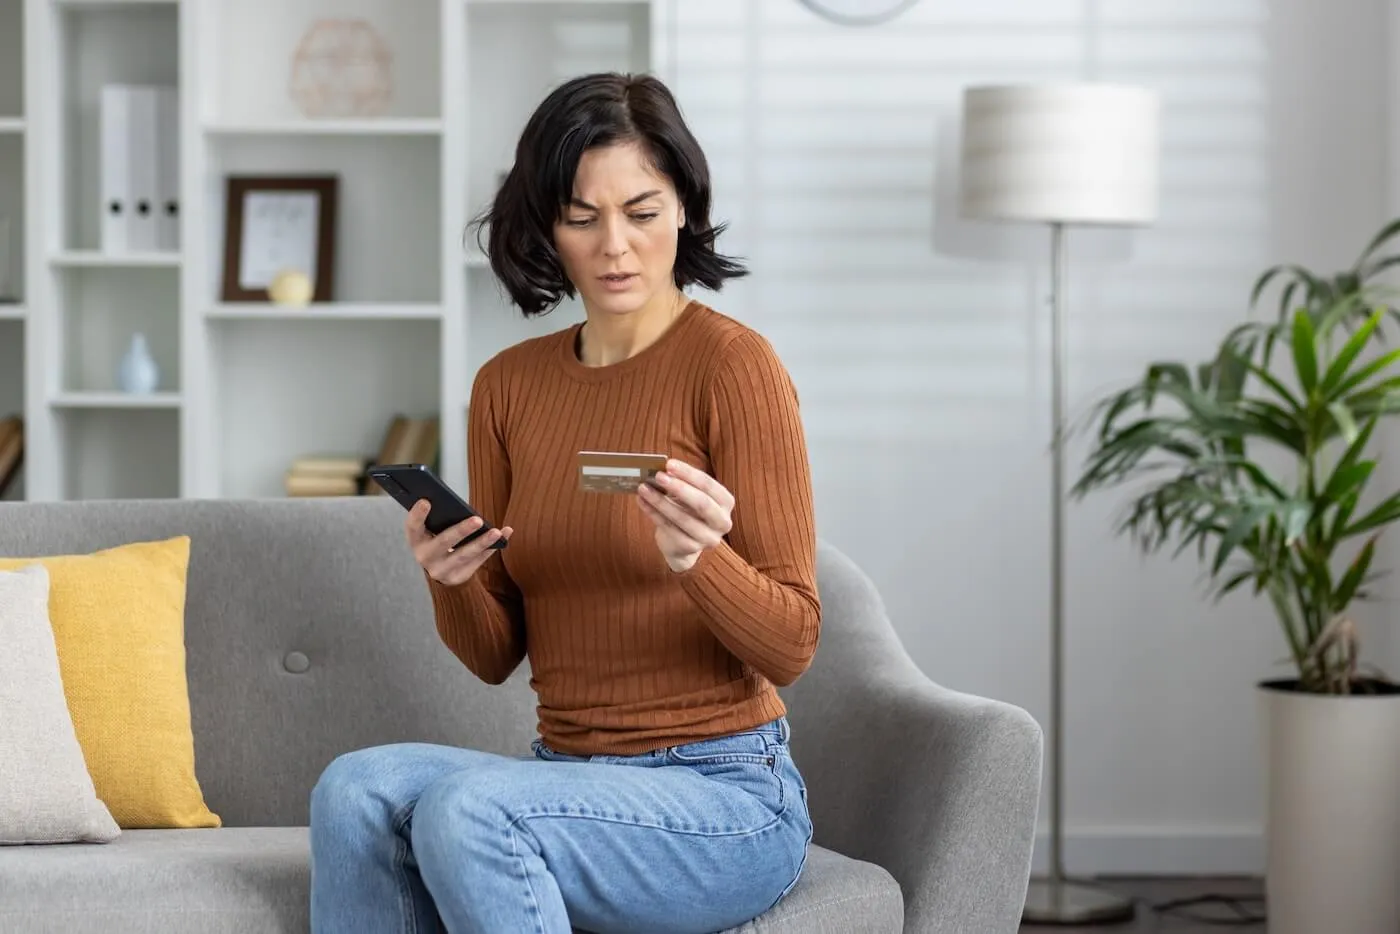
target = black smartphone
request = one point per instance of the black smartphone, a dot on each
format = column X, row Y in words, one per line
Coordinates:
column 409, row 483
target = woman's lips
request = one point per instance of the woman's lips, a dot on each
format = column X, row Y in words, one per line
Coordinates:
column 618, row 282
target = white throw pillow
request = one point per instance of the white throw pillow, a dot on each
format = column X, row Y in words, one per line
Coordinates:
column 46, row 793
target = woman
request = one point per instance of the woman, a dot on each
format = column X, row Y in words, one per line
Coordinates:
column 661, row 796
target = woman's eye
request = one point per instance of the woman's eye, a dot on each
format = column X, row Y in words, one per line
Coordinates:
column 643, row 218
column 579, row 221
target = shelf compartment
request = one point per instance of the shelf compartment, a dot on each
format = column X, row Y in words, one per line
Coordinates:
column 330, row 311
column 12, row 242
column 100, row 309
column 518, row 52
column 12, row 384
column 104, row 43
column 265, row 56
column 388, row 218
column 300, row 388
column 120, row 454
column 11, row 66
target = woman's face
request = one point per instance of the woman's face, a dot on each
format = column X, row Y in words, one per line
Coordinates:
column 617, row 239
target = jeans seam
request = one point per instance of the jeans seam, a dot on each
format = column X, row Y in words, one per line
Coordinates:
column 513, row 836
column 650, row 825
column 399, row 822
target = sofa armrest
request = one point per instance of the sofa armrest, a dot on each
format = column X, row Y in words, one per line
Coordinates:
column 940, row 788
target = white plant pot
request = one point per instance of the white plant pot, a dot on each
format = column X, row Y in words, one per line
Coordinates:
column 1333, row 812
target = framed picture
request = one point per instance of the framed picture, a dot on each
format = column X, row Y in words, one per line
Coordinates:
column 277, row 224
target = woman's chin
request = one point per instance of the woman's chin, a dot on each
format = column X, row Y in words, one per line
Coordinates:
column 617, row 303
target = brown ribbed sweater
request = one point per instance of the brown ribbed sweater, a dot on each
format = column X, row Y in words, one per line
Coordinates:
column 626, row 655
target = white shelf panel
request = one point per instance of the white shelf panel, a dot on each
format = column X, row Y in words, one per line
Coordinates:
column 371, row 127
column 9, row 125
column 328, row 311
column 12, row 312
column 111, row 4
column 475, row 259
column 93, row 259
column 116, row 400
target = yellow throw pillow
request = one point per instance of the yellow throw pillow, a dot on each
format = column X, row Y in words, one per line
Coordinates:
column 118, row 619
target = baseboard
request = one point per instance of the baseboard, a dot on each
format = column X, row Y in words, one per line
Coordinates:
column 1157, row 851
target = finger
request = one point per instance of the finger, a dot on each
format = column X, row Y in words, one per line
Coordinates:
column 456, row 566
column 698, row 502
column 693, row 527
column 454, row 534
column 413, row 522
column 670, row 528
column 701, row 481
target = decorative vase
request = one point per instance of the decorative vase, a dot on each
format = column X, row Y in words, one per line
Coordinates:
column 1333, row 809
column 342, row 68
column 138, row 372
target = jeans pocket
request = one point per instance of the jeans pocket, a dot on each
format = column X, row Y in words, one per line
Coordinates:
column 752, row 747
column 550, row 755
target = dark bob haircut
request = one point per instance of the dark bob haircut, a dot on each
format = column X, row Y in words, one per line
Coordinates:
column 584, row 113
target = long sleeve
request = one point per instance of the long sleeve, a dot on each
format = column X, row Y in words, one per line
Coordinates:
column 758, row 588
column 482, row 621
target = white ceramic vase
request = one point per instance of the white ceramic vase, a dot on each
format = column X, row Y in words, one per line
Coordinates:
column 1333, row 811
column 138, row 372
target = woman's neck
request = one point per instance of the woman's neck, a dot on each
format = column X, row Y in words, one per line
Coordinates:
column 607, row 339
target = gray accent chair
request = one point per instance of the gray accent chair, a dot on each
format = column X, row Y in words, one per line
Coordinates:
column 310, row 633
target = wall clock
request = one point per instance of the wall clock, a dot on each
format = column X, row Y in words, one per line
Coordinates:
column 858, row 12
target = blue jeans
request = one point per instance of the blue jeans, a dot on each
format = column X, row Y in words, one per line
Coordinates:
column 697, row 838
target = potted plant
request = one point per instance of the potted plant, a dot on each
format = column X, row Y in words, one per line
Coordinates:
column 1263, row 460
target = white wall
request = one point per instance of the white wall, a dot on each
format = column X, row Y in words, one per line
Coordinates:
column 922, row 369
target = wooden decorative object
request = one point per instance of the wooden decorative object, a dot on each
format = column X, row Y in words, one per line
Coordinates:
column 276, row 226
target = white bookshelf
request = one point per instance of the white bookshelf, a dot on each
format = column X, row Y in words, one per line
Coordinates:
column 247, row 387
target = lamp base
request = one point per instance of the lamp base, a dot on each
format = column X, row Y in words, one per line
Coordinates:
column 1056, row 901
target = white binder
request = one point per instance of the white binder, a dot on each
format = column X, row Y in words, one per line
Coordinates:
column 131, row 168
column 115, row 168
column 168, row 168
column 145, row 188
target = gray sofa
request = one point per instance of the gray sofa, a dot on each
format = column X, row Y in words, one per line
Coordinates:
column 310, row 633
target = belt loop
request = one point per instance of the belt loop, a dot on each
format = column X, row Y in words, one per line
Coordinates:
column 786, row 729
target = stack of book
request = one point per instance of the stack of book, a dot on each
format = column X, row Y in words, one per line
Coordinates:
column 11, row 450
column 406, row 441
column 326, row 475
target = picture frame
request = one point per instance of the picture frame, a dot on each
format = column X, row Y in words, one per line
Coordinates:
column 277, row 223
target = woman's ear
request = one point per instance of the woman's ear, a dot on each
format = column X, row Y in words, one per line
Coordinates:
column 680, row 217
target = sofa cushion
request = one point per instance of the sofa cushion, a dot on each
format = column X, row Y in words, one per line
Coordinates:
column 238, row 879
column 214, row 881
column 836, row 895
column 118, row 618
column 46, row 794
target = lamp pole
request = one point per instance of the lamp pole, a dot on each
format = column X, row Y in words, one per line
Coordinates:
column 1056, row 900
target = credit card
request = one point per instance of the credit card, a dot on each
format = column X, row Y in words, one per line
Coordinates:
column 616, row 471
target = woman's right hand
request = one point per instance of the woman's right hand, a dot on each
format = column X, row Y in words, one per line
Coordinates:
column 434, row 553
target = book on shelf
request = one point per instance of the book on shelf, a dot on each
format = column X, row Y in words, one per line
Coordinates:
column 406, row 440
column 11, row 450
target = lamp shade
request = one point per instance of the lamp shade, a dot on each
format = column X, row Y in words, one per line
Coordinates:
column 1074, row 153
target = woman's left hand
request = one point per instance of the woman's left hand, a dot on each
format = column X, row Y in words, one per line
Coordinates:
column 691, row 515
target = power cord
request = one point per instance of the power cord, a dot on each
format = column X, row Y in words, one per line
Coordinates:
column 1225, row 904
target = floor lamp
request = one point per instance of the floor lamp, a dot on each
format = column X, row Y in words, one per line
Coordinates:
column 1060, row 155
